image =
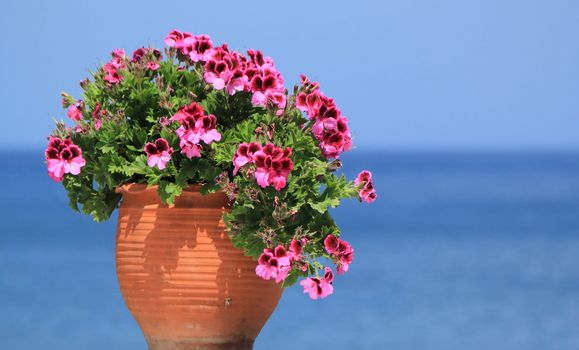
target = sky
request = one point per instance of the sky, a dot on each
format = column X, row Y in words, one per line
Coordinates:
column 458, row 75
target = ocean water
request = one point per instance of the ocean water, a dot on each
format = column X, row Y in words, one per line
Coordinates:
column 460, row 251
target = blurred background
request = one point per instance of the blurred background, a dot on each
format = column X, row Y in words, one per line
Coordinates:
column 466, row 112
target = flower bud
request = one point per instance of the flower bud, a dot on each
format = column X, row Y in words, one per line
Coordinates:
column 334, row 165
column 66, row 100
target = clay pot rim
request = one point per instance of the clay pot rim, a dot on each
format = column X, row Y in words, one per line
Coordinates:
column 140, row 188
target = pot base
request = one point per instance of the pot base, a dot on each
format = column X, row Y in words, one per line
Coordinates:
column 194, row 344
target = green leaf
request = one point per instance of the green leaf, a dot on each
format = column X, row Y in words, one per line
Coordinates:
column 168, row 191
column 108, row 149
column 188, row 172
column 291, row 278
column 207, row 171
column 138, row 166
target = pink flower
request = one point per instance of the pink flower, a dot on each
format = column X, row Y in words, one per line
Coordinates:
column 190, row 149
column 75, row 111
column 112, row 76
column 363, row 177
column 199, row 127
column 111, row 68
column 274, row 263
column 333, row 143
column 296, row 248
column 233, row 72
column 284, row 263
column 152, row 65
column 307, row 84
column 279, row 99
column 174, row 38
column 328, row 275
column 158, row 153
column 282, row 255
column 118, row 53
column 225, row 69
column 117, row 59
column 341, row 252
column 309, row 103
column 261, row 175
column 62, row 157
column 366, row 192
column 279, row 172
column 330, row 127
column 140, row 56
column 244, row 155
column 206, row 127
column 201, row 49
column 331, row 243
column 273, row 166
column 164, row 121
column 179, row 40
column 193, row 110
column 259, row 61
column 319, row 288
column 345, row 256
column 97, row 114
column 195, row 127
column 267, row 265
column 258, row 99
column 264, row 81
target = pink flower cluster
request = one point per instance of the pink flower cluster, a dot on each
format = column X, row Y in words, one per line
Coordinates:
column 366, row 191
column 97, row 115
column 330, row 126
column 272, row 163
column 111, row 68
column 225, row 69
column 319, row 287
column 140, row 54
column 265, row 82
column 277, row 263
column 341, row 252
column 229, row 70
column 75, row 111
column 195, row 127
column 63, row 157
column 197, row 47
column 158, row 153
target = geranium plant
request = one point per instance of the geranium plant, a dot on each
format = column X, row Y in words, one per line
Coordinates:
column 197, row 113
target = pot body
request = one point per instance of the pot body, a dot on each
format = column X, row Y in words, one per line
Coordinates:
column 182, row 279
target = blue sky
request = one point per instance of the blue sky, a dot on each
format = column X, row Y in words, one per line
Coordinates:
column 409, row 74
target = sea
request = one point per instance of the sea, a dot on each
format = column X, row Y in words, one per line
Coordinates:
column 461, row 250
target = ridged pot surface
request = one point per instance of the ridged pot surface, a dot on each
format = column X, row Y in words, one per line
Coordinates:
column 185, row 283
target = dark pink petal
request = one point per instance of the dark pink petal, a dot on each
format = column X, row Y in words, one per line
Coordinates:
column 161, row 144
column 331, row 243
column 328, row 275
column 150, row 148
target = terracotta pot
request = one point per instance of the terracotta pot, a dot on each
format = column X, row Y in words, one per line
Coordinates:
column 185, row 283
